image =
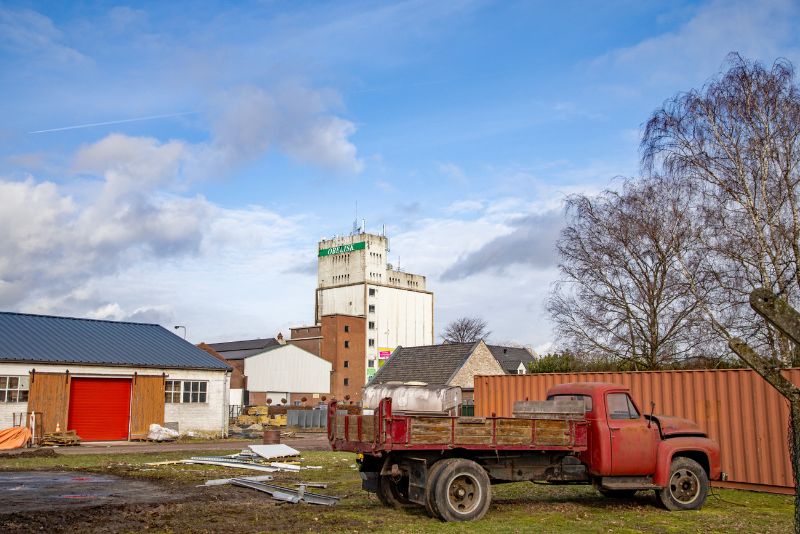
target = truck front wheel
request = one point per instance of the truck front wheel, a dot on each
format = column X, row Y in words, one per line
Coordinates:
column 462, row 491
column 687, row 487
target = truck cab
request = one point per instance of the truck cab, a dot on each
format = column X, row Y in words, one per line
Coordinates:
column 629, row 450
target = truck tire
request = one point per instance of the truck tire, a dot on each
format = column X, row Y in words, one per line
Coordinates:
column 430, row 486
column 394, row 493
column 687, row 487
column 462, row 491
column 617, row 493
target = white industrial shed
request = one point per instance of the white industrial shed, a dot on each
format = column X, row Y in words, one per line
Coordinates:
column 286, row 372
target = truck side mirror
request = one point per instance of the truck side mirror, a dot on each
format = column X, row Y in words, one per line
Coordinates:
column 652, row 409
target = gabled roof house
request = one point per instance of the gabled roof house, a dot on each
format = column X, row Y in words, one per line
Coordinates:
column 451, row 364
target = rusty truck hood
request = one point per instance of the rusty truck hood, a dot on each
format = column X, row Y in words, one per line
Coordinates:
column 677, row 426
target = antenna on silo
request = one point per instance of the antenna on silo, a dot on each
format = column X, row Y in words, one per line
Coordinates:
column 354, row 231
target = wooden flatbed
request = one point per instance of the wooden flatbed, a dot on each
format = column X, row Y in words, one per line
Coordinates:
column 383, row 432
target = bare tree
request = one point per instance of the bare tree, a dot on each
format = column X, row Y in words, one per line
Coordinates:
column 465, row 330
column 737, row 143
column 622, row 296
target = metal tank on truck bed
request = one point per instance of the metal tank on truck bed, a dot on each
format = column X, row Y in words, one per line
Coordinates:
column 411, row 397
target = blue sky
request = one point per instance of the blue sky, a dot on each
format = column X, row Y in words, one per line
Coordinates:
column 459, row 125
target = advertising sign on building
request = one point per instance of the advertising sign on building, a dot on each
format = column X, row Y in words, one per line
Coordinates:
column 341, row 249
column 384, row 353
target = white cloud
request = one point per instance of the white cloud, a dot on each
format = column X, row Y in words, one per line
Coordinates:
column 696, row 49
column 510, row 298
column 298, row 121
column 464, row 206
column 125, row 242
column 129, row 163
column 385, row 186
column 52, row 240
column 121, row 252
column 31, row 33
column 452, row 172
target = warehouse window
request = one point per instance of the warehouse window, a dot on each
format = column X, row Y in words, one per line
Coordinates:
column 346, row 381
column 372, row 292
column 371, row 342
column 185, row 391
column 13, row 389
column 172, row 391
column 346, row 363
column 372, row 308
column 371, row 363
column 194, row 391
column 372, row 325
column 347, row 344
column 347, row 328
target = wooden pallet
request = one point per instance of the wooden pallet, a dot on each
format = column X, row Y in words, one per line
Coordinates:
column 62, row 439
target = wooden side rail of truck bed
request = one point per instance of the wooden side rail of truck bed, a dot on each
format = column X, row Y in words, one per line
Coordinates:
column 384, row 431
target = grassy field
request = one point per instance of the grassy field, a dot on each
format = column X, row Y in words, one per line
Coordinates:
column 519, row 507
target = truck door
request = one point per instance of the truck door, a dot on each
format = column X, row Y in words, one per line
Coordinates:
column 633, row 444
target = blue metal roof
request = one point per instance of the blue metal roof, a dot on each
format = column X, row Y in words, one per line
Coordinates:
column 48, row 339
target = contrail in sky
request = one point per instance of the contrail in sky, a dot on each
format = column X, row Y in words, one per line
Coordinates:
column 93, row 124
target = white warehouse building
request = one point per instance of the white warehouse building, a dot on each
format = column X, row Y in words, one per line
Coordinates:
column 286, row 372
column 356, row 279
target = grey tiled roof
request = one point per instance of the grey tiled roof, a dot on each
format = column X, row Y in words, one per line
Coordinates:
column 510, row 357
column 432, row 364
column 238, row 350
column 48, row 339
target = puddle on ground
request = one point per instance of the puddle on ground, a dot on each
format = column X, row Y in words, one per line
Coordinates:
column 23, row 491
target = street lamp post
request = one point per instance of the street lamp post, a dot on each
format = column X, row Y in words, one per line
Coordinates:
column 184, row 330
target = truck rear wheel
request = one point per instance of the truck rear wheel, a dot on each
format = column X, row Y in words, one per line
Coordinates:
column 430, row 486
column 687, row 487
column 462, row 491
column 394, row 493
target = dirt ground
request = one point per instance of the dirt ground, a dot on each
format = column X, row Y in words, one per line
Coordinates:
column 119, row 492
column 178, row 507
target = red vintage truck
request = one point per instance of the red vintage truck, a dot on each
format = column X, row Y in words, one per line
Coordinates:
column 585, row 433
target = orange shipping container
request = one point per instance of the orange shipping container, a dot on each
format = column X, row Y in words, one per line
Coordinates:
column 736, row 407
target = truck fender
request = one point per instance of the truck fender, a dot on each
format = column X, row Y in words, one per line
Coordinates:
column 703, row 450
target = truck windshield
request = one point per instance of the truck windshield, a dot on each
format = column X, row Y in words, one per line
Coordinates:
column 587, row 400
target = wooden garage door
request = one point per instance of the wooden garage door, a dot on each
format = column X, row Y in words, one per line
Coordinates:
column 100, row 408
column 148, row 404
column 48, row 396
